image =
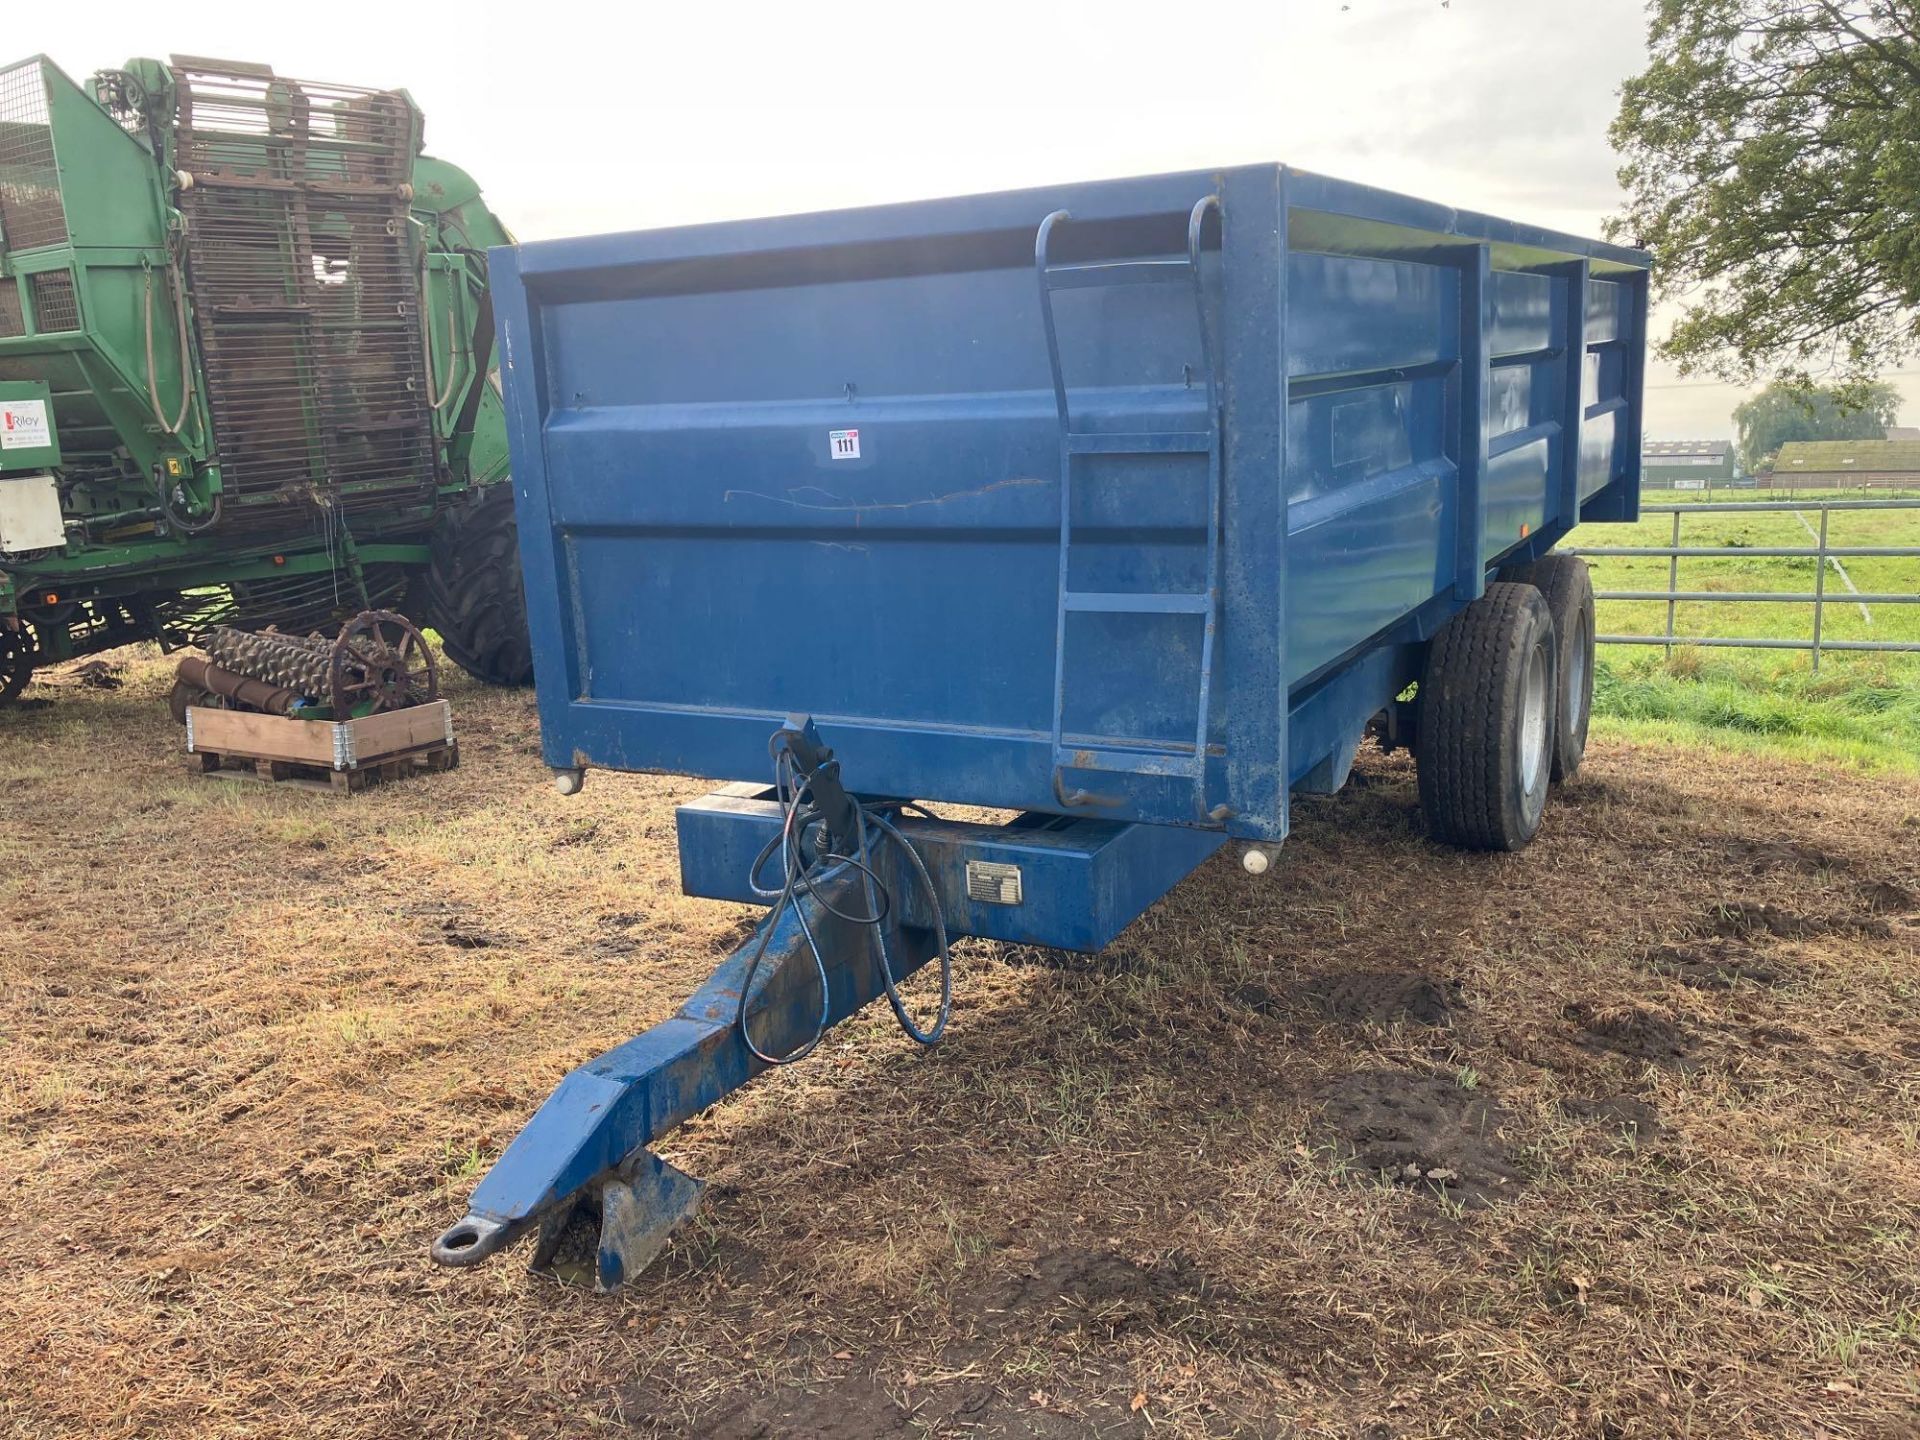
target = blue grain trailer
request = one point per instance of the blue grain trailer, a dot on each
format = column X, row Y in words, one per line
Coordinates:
column 1131, row 507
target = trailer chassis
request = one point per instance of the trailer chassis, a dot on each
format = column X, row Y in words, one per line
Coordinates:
column 583, row 1162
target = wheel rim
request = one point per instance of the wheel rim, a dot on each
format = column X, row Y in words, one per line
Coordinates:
column 382, row 661
column 1576, row 667
column 1534, row 704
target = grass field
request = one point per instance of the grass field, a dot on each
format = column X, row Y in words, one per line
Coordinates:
column 1657, row 1078
column 1863, row 709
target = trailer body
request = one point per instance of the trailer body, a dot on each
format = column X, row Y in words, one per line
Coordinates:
column 1125, row 506
column 815, row 464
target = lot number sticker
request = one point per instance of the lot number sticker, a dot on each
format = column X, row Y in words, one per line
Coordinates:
column 843, row 444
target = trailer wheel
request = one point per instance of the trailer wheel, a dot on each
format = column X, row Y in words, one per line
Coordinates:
column 1568, row 588
column 474, row 595
column 1488, row 701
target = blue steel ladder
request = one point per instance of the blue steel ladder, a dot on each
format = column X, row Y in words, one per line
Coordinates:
column 1114, row 755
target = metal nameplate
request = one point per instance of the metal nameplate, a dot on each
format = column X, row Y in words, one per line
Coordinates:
column 993, row 883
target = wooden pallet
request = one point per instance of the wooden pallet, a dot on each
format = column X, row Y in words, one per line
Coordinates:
column 341, row 756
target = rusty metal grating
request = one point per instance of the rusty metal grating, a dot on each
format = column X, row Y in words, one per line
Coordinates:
column 244, row 122
column 55, row 306
column 13, row 320
column 305, row 288
column 295, row 604
column 31, row 212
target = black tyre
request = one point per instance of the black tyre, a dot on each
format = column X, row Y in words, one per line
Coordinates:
column 1487, row 701
column 1568, row 588
column 474, row 597
column 16, row 662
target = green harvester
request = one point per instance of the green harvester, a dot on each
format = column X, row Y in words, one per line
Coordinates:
column 246, row 368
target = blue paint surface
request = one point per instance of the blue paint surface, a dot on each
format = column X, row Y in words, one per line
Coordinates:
column 1080, row 881
column 706, row 549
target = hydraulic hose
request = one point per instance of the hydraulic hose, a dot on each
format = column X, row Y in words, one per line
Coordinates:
column 437, row 402
column 798, row 818
column 186, row 359
column 179, row 521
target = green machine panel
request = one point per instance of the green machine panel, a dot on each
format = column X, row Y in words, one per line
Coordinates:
column 246, row 349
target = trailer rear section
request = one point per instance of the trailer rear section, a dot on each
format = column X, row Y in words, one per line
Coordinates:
column 1130, row 507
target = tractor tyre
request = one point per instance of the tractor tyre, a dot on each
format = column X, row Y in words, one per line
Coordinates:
column 474, row 595
column 16, row 662
column 1488, row 701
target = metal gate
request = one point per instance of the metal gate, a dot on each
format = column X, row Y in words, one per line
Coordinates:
column 1826, row 554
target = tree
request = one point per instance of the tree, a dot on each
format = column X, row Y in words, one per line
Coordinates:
column 1781, row 413
column 1772, row 164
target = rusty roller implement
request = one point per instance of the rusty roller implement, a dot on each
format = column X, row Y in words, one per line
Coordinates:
column 298, row 663
column 199, row 680
column 380, row 661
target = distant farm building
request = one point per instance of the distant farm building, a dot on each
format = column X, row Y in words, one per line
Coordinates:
column 1686, row 464
column 1848, row 464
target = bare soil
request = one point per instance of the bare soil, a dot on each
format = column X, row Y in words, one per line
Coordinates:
column 1618, row 1137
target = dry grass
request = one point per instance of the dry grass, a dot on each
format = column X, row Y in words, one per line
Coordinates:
column 258, row 1047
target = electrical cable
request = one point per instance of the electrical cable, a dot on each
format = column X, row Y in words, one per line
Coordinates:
column 799, row 818
column 784, row 842
column 914, row 1032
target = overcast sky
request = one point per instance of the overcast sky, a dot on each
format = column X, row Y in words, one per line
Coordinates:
column 578, row 118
